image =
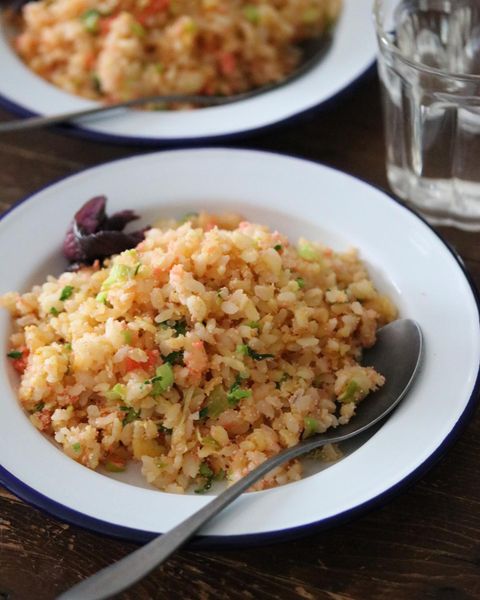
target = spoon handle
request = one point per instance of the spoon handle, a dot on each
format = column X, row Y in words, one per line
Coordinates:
column 120, row 575
column 37, row 122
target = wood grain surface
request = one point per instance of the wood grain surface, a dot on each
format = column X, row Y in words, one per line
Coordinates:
column 422, row 544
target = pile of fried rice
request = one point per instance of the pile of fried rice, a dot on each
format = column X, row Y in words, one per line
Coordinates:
column 209, row 347
column 117, row 50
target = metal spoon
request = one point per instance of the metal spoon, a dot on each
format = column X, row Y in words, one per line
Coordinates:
column 312, row 52
column 396, row 355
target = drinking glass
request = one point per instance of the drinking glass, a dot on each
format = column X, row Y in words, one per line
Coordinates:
column 429, row 68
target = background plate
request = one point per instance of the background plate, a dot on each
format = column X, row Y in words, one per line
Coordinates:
column 352, row 52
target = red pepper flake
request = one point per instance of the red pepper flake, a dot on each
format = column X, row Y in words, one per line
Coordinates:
column 131, row 365
column 153, row 359
column 160, row 274
column 20, row 363
column 154, row 7
column 45, row 419
column 90, row 59
column 228, row 63
column 106, row 23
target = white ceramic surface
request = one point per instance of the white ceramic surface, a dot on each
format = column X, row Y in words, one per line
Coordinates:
column 406, row 258
column 352, row 52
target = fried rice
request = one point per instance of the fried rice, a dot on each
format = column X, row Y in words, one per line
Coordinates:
column 209, row 347
column 117, row 50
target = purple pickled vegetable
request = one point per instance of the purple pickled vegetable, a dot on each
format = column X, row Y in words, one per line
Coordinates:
column 71, row 249
column 119, row 220
column 91, row 216
column 106, row 243
column 93, row 235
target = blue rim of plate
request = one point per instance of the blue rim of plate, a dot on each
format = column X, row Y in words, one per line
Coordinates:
column 73, row 517
column 85, row 133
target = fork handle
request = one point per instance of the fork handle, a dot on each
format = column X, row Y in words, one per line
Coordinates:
column 37, row 122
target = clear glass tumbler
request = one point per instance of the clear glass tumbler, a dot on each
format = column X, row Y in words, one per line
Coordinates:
column 429, row 67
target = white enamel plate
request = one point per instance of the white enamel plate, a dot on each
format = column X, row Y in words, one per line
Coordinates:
column 405, row 257
column 350, row 55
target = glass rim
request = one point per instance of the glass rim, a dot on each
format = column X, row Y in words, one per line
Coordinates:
column 385, row 42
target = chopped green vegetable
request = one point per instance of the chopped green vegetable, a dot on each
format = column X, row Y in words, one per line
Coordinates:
column 209, row 477
column 66, row 293
column 68, row 346
column 283, row 378
column 163, row 379
column 220, row 476
column 247, row 351
column 39, row 406
column 15, row 354
column 242, row 349
column 96, row 83
column 252, row 13
column 235, row 394
column 205, row 470
column 76, row 447
column 207, row 485
column 218, row 400
column 54, row 311
column 349, row 393
column 118, row 273
column 127, row 336
column 102, row 297
column 217, row 403
column 300, row 282
column 254, row 324
column 191, row 26
column 137, row 269
column 311, row 427
column 174, row 358
column 159, row 67
column 278, row 247
column 307, row 251
column 131, row 414
column 114, row 467
column 118, row 392
column 310, row 16
column 180, row 327
column 188, row 217
column 257, row 356
column 208, row 440
column 138, row 30
column 91, row 20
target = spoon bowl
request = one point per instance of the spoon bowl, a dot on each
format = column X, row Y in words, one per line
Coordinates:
column 396, row 354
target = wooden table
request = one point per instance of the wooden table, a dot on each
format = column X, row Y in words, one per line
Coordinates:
column 425, row 543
